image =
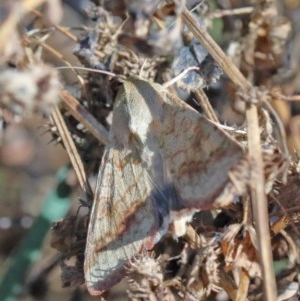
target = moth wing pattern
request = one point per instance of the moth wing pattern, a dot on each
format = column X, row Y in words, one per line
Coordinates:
column 124, row 219
column 205, row 159
column 199, row 154
column 162, row 157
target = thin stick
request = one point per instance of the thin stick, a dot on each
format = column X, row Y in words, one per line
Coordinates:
column 206, row 106
column 58, row 55
column 51, row 50
column 246, row 210
column 286, row 97
column 91, row 70
column 61, row 29
column 18, row 10
column 72, row 151
column 72, row 104
column 179, row 76
column 282, row 135
column 215, row 51
column 258, row 182
column 231, row 12
column 75, row 108
column 242, row 291
column 83, row 116
column 260, row 208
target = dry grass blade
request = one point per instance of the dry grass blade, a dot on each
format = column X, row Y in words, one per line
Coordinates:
column 72, row 151
column 243, row 286
column 231, row 12
column 215, row 51
column 58, row 27
column 281, row 132
column 51, row 50
column 259, row 203
column 83, row 116
column 18, row 10
column 206, row 106
column 257, row 187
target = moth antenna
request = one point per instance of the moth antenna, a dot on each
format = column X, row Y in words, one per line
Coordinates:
column 93, row 70
column 180, row 75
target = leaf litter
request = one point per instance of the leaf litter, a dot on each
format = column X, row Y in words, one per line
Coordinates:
column 218, row 255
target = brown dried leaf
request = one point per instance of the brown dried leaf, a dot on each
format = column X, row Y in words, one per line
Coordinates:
column 239, row 247
column 62, row 234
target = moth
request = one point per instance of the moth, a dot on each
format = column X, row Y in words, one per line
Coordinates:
column 163, row 162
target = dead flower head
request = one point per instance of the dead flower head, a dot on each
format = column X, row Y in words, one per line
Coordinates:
column 145, row 277
column 201, row 270
column 34, row 89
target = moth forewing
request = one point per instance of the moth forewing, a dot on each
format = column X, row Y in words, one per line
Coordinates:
column 199, row 154
column 163, row 160
column 125, row 218
column 204, row 155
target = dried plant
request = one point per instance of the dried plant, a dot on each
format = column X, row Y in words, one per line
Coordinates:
column 248, row 225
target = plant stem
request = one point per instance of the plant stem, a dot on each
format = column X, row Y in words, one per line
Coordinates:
column 259, row 200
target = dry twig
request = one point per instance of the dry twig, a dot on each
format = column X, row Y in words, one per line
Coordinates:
column 72, row 151
column 257, row 186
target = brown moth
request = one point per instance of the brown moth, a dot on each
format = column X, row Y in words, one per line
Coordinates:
column 164, row 161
